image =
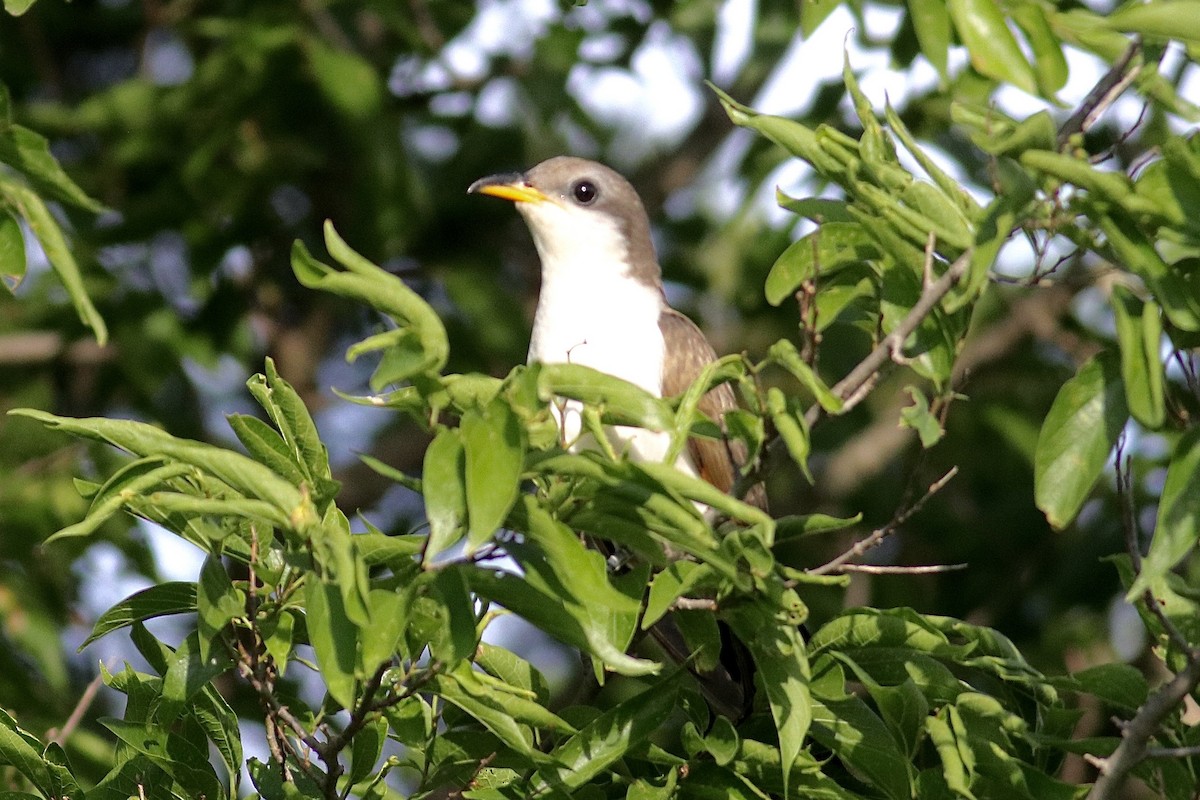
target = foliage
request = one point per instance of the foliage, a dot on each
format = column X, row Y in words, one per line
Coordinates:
column 366, row 651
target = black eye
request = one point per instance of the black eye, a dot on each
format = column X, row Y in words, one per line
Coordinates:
column 585, row 193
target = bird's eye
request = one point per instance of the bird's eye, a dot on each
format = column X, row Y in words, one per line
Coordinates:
column 585, row 193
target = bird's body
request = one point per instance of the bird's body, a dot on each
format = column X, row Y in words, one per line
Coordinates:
column 602, row 304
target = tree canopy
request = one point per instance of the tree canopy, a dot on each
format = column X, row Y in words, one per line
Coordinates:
column 251, row 309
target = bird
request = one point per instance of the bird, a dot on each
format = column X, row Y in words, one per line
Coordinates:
column 602, row 305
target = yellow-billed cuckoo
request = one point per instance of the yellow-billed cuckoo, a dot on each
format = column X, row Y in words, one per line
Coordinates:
column 602, row 305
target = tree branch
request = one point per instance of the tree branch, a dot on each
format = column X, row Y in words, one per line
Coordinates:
column 1137, row 732
column 842, row 562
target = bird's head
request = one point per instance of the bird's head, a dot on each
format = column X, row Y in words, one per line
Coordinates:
column 580, row 213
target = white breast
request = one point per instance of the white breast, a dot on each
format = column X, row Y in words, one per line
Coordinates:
column 591, row 311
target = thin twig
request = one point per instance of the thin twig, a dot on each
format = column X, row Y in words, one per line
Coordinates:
column 897, row 569
column 1137, row 732
column 85, row 701
column 879, row 534
column 694, row 604
column 1173, row 752
column 892, row 345
column 1103, row 94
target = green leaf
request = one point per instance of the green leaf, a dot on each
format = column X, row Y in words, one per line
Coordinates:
column 993, row 49
column 1166, row 19
column 160, row 600
column 1049, row 61
column 849, row 728
column 826, row 250
column 1139, row 333
column 779, row 653
column 22, row 751
column 365, row 749
column 620, row 402
column 54, row 244
column 265, row 445
column 799, row 525
column 235, row 469
column 494, row 445
column 679, row 578
column 558, row 565
column 369, row 284
column 1178, row 524
column 793, row 430
column 931, row 22
column 348, row 81
column 444, row 481
column 171, row 752
column 29, row 153
column 1076, row 438
column 785, row 354
column 285, row 408
column 389, row 617
column 1122, row 686
column 334, row 638
column 1178, row 298
column 127, row 484
column 12, row 251
column 608, row 738
column 918, row 418
column 18, row 7
column 187, row 674
column 218, row 603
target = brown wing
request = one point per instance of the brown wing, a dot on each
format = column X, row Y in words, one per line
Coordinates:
column 687, row 353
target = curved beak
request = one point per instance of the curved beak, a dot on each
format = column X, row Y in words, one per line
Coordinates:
column 510, row 186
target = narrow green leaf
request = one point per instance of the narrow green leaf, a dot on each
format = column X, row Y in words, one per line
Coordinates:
column 679, row 578
column 444, row 481
column 58, row 252
column 1139, row 334
column 826, row 250
column 799, row 525
column 456, row 638
column 1076, row 438
column 785, row 354
column 235, row 469
column 605, row 740
column 849, row 728
column 160, row 600
column 389, row 617
column 18, row 7
column 993, row 49
column 620, row 402
column 29, row 153
column 820, row 210
column 931, row 22
column 12, row 251
column 220, row 724
column 1122, row 686
column 779, row 654
column 365, row 749
column 334, row 639
column 126, row 485
column 218, row 603
column 1166, row 19
column 701, row 491
column 17, row 748
column 187, row 674
column 493, row 441
column 790, row 425
column 171, row 752
column 1177, row 296
column 918, row 418
column 1177, row 527
column 368, row 283
column 1049, row 61
column 285, row 408
column 347, row 80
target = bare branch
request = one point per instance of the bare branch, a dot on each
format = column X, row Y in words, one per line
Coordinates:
column 1137, row 732
column 898, row 569
column 694, row 604
column 877, row 536
column 85, row 701
column 1103, row 94
column 863, row 375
